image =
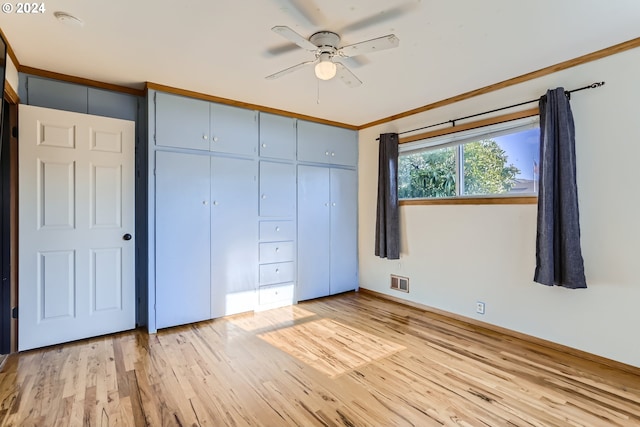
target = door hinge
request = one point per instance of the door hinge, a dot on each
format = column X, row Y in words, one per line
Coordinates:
column 14, row 313
column 14, row 131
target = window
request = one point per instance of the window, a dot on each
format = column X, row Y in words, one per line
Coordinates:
column 497, row 160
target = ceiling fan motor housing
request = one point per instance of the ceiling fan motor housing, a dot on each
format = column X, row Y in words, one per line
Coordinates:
column 326, row 41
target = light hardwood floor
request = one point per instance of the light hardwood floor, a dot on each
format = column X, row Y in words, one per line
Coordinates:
column 349, row 360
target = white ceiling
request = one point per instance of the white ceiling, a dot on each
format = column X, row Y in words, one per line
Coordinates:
column 221, row 47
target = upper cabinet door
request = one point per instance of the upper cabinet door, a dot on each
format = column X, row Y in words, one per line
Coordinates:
column 321, row 143
column 277, row 136
column 182, row 122
column 234, row 130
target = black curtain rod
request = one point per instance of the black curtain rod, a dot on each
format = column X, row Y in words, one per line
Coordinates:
column 453, row 121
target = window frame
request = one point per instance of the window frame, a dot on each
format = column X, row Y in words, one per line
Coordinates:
column 461, row 134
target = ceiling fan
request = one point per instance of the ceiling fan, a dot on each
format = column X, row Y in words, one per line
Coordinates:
column 328, row 54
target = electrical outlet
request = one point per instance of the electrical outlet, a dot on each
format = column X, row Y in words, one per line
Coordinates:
column 479, row 307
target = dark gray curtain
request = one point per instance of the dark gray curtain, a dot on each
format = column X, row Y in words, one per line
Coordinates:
column 558, row 254
column 387, row 216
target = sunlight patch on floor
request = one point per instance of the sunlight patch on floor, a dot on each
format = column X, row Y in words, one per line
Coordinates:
column 329, row 346
column 270, row 319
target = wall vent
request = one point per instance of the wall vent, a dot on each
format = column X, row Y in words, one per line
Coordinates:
column 400, row 283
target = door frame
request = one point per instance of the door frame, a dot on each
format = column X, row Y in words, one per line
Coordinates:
column 9, row 224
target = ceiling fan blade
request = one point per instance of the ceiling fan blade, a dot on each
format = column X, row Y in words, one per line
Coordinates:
column 347, row 77
column 378, row 18
column 279, row 50
column 374, row 45
column 289, row 70
column 294, row 37
column 306, row 10
column 354, row 61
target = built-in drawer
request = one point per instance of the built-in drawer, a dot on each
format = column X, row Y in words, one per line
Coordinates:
column 271, row 231
column 273, row 294
column 276, row 273
column 276, row 252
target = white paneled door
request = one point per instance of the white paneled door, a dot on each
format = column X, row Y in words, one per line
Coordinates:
column 76, row 203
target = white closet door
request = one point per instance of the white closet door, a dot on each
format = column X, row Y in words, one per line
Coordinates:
column 234, row 235
column 183, row 216
column 313, row 232
column 76, row 205
column 344, row 230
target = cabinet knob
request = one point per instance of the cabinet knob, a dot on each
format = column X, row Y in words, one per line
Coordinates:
column 333, row 204
column 333, row 154
column 215, row 203
column 326, row 153
column 264, row 145
column 277, row 228
column 205, row 137
column 215, row 139
column 277, row 249
column 277, row 270
column 264, row 196
column 326, row 204
column 126, row 237
column 205, row 203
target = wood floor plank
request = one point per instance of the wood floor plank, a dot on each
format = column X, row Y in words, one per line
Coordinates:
column 348, row 360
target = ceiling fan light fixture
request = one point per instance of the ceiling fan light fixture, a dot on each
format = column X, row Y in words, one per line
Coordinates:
column 325, row 69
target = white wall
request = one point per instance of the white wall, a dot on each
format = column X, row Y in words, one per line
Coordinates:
column 11, row 75
column 457, row 255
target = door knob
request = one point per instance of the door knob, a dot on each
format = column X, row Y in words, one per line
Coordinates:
column 126, row 237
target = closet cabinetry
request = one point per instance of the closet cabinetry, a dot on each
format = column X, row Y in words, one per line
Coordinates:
column 327, row 211
column 327, row 231
column 206, row 210
column 205, row 237
column 200, row 125
column 234, row 232
column 321, row 143
column 277, row 243
column 183, row 247
column 247, row 210
column 277, row 137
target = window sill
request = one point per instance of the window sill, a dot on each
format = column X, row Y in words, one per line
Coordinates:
column 526, row 200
